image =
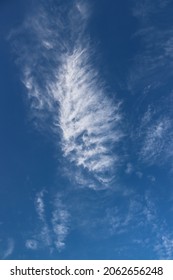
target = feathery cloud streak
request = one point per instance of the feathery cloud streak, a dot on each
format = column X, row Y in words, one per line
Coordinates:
column 155, row 134
column 64, row 86
column 51, row 232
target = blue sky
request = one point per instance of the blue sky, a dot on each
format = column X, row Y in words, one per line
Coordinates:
column 86, row 161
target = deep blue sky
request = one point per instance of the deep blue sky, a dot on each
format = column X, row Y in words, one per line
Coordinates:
column 86, row 161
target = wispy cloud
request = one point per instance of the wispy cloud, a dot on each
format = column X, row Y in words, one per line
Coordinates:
column 127, row 217
column 139, row 220
column 157, row 137
column 154, row 135
column 164, row 247
column 84, row 8
column 89, row 122
column 53, row 224
column 8, row 250
column 129, row 168
column 153, row 65
column 60, row 224
column 44, row 228
column 64, row 86
column 145, row 9
column 163, row 239
column 31, row 244
column 40, row 208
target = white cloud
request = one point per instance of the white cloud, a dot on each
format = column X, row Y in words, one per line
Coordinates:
column 164, row 247
column 145, row 9
column 60, row 224
column 40, row 207
column 153, row 65
column 44, row 233
column 83, row 8
column 150, row 212
column 9, row 248
column 62, row 82
column 31, row 244
column 140, row 215
column 157, row 138
column 153, row 134
column 123, row 219
column 129, row 168
column 53, row 224
column 88, row 121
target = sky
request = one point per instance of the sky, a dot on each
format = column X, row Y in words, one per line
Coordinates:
column 86, row 122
